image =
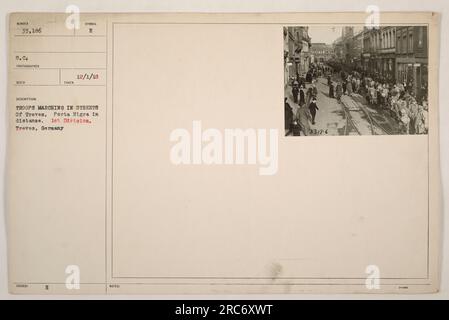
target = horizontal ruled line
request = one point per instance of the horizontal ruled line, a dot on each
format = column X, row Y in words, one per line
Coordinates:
column 54, row 35
column 60, row 52
column 56, row 68
column 59, row 85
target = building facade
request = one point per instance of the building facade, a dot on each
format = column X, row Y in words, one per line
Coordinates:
column 379, row 52
column 337, row 47
column 348, row 48
column 387, row 53
column 297, row 45
column 347, row 37
column 398, row 54
column 321, row 52
column 412, row 58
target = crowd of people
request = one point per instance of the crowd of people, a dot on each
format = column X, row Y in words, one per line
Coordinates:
column 299, row 116
column 398, row 99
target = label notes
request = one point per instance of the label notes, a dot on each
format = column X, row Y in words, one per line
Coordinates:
column 57, row 75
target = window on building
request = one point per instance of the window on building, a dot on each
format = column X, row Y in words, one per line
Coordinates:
column 421, row 37
column 404, row 43
column 410, row 42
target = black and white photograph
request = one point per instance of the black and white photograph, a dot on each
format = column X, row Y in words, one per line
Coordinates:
column 355, row 80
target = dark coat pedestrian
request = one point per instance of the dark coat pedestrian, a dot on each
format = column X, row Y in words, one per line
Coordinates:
column 331, row 90
column 295, row 92
column 313, row 109
column 309, row 77
column 288, row 113
column 302, row 97
column 303, row 117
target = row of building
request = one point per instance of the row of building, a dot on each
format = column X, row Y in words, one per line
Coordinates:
column 395, row 53
column 297, row 44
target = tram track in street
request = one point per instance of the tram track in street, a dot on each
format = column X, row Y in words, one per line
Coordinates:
column 349, row 120
column 375, row 127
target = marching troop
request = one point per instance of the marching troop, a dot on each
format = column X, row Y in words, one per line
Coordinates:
column 410, row 113
column 396, row 100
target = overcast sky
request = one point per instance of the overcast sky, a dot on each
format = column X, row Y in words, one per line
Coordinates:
column 326, row 34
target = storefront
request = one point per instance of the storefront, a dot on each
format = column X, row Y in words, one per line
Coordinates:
column 422, row 79
column 365, row 61
column 414, row 72
column 387, row 68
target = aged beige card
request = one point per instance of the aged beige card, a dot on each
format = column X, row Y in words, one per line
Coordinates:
column 223, row 153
